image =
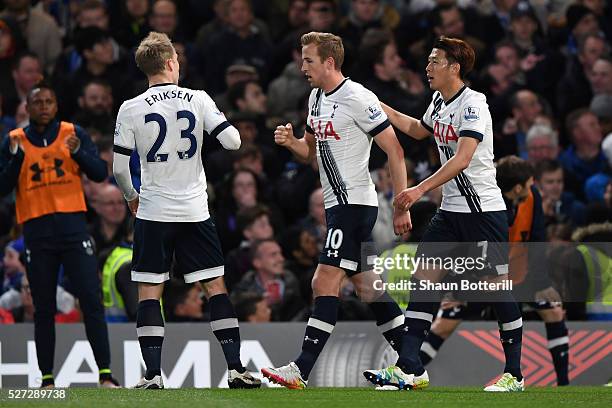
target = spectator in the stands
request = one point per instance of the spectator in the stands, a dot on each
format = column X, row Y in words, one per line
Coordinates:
column 559, row 206
column 164, row 19
column 27, row 72
column 251, row 307
column 12, row 43
column 296, row 19
column 580, row 22
column 111, row 226
column 183, row 302
column 446, row 20
column 601, row 76
column 400, row 88
column 315, row 220
column 96, row 107
column 240, row 42
column 240, row 191
column 96, row 48
column 43, row 35
column 574, row 89
column 362, row 16
column 269, row 278
column 526, row 107
column 584, row 157
column 302, row 257
column 133, row 25
column 249, row 97
column 288, row 89
column 234, row 74
column 254, row 224
column 542, row 143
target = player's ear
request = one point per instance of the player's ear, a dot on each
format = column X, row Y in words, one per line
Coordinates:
column 456, row 67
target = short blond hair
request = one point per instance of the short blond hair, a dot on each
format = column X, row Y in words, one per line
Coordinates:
column 153, row 52
column 328, row 45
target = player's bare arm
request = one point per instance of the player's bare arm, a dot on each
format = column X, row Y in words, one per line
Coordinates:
column 387, row 141
column 406, row 124
column 459, row 162
column 304, row 149
column 121, row 171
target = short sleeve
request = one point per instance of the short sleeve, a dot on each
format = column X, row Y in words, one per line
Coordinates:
column 214, row 120
column 426, row 120
column 369, row 115
column 311, row 100
column 124, row 139
column 474, row 117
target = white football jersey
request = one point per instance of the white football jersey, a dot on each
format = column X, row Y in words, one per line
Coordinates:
column 166, row 125
column 466, row 115
column 344, row 121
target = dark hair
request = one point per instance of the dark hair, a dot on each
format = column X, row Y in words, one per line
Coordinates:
column 435, row 16
column 546, row 166
column 248, row 216
column 86, row 38
column 507, row 44
column 92, row 5
column 245, row 304
column 582, row 40
column 22, row 55
column 237, row 91
column 39, row 87
column 574, row 116
column 95, row 81
column 457, row 51
column 175, row 293
column 256, row 245
column 373, row 44
column 512, row 170
column 332, row 3
column 249, row 151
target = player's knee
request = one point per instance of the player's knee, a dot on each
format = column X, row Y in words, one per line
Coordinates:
column 326, row 284
column 556, row 314
column 213, row 287
column 444, row 327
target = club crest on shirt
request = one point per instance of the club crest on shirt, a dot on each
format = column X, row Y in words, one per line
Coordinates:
column 117, row 128
column 471, row 113
column 373, row 112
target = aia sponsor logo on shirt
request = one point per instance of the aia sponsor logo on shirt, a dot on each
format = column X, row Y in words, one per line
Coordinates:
column 324, row 132
column 444, row 133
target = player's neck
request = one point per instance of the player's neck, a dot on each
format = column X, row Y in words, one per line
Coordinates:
column 335, row 78
column 160, row 79
column 451, row 90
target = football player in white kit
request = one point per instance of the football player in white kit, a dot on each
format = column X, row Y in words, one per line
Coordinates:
column 165, row 125
column 472, row 211
column 343, row 119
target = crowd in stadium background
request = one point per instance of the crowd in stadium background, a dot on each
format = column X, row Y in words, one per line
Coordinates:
column 544, row 65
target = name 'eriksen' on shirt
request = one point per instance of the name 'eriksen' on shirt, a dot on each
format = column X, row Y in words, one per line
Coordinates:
column 173, row 94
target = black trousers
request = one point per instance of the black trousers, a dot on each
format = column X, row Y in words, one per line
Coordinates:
column 43, row 259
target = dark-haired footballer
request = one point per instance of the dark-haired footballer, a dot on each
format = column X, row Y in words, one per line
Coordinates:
column 472, row 212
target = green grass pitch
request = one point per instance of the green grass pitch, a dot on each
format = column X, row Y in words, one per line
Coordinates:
column 467, row 397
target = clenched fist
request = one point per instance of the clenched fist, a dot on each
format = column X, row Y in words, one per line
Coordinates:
column 283, row 135
column 73, row 143
column 14, row 143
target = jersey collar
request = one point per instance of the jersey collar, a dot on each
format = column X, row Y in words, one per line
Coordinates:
column 338, row 87
column 164, row 84
column 455, row 96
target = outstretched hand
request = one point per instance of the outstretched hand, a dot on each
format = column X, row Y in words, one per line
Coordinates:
column 405, row 199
